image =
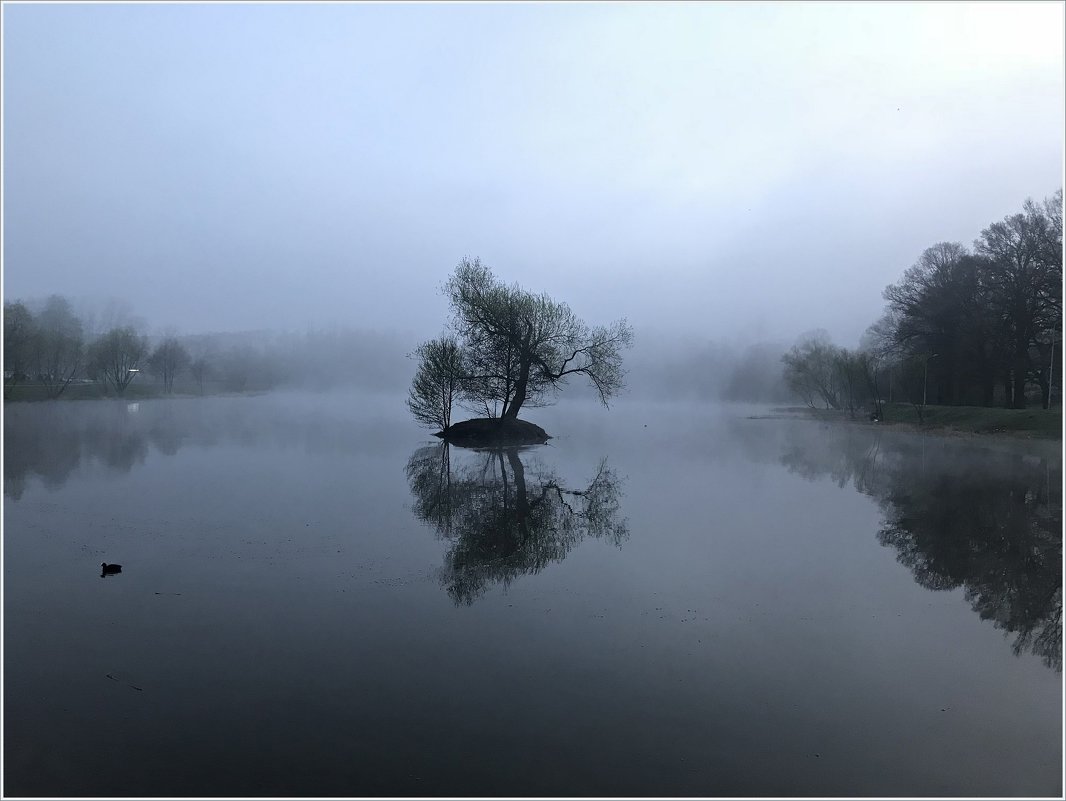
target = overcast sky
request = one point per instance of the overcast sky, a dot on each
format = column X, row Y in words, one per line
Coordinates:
column 721, row 170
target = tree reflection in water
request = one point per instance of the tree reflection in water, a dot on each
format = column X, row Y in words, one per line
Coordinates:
column 504, row 515
column 988, row 520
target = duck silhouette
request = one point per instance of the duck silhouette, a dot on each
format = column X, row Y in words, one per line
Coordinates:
column 109, row 570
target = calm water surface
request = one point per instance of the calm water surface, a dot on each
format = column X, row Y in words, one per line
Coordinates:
column 317, row 598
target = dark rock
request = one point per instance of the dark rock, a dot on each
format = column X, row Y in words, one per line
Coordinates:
column 487, row 432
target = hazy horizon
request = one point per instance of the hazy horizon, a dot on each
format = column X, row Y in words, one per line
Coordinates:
column 709, row 171
column 282, row 517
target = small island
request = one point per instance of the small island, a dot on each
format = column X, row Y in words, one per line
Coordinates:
column 508, row 348
column 483, row 432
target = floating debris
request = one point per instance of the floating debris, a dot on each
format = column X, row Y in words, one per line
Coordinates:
column 122, row 678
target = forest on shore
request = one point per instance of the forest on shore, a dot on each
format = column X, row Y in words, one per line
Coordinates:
column 978, row 326
column 962, row 327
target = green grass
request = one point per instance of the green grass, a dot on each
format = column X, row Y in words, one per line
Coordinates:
column 1035, row 422
column 36, row 392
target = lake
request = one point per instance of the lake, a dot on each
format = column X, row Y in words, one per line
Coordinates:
column 318, row 598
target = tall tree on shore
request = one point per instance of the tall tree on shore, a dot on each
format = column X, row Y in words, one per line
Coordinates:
column 1024, row 254
column 811, row 370
column 939, row 307
column 117, row 357
column 19, row 331
column 974, row 321
column 167, row 360
column 58, row 346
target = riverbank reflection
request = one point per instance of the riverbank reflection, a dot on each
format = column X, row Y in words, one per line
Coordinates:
column 982, row 517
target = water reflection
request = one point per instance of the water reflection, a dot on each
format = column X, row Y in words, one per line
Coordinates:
column 986, row 519
column 505, row 515
column 51, row 440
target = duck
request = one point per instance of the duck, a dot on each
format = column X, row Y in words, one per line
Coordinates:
column 109, row 570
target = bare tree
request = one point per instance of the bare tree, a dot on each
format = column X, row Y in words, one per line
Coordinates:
column 117, row 356
column 168, row 359
column 436, row 384
column 520, row 347
column 100, row 317
column 882, row 356
column 914, row 383
column 812, row 371
column 19, row 332
column 58, row 348
column 1025, row 281
column 850, row 376
column 200, row 369
column 869, row 364
column 201, row 359
column 1049, row 336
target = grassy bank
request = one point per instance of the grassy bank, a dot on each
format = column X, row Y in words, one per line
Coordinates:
column 1039, row 423
column 36, row 392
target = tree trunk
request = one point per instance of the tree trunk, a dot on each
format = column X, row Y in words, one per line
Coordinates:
column 1042, row 379
column 524, row 366
column 988, row 391
column 1021, row 368
column 519, row 393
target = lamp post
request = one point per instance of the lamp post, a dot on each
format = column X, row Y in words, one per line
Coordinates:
column 925, row 387
column 1050, row 373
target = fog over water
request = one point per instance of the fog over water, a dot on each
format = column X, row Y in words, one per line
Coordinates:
column 719, row 170
column 235, row 564
column 316, row 598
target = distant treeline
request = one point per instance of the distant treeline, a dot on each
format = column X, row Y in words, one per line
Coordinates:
column 49, row 352
column 962, row 327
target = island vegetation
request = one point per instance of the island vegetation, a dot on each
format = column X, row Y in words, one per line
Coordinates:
column 508, row 349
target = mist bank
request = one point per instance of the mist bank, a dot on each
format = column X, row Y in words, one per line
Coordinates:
column 666, row 367
column 52, row 351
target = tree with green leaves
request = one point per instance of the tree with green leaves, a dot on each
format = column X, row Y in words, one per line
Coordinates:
column 521, row 348
column 437, row 382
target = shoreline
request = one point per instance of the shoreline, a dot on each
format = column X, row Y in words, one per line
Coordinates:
column 947, row 421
